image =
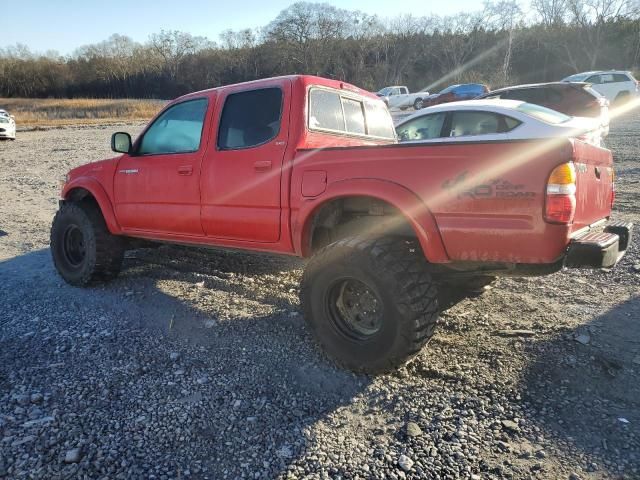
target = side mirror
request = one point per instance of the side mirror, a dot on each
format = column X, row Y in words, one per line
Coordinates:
column 121, row 142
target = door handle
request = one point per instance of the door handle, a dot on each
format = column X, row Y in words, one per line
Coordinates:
column 185, row 170
column 262, row 165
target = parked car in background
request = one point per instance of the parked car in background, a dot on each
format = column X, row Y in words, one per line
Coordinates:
column 399, row 97
column 7, row 126
column 455, row 93
column 576, row 99
column 614, row 85
column 493, row 120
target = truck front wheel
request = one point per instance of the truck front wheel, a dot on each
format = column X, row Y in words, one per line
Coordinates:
column 83, row 249
column 370, row 303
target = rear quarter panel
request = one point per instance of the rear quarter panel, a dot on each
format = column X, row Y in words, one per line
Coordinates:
column 486, row 198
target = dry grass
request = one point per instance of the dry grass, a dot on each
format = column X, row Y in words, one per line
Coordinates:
column 35, row 112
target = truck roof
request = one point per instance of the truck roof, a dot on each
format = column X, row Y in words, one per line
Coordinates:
column 306, row 80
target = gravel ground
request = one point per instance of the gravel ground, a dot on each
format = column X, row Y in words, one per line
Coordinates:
column 197, row 364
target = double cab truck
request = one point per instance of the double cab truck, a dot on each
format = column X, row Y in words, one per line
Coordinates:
column 307, row 166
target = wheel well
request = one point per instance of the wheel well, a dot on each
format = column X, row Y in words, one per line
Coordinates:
column 357, row 215
column 81, row 196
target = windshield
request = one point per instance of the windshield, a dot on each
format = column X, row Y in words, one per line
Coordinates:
column 545, row 114
column 448, row 89
column 576, row 78
column 385, row 91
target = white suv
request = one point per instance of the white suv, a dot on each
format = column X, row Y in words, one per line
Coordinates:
column 615, row 85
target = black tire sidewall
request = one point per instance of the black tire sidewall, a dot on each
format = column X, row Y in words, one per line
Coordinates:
column 353, row 353
column 72, row 215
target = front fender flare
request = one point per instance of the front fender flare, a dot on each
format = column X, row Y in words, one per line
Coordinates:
column 408, row 203
column 96, row 190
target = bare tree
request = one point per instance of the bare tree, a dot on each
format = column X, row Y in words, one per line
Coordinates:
column 591, row 18
column 551, row 12
column 505, row 15
column 171, row 47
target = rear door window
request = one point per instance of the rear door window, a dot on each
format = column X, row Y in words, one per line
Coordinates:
column 250, row 118
column 620, row 77
column 474, row 123
column 426, row 127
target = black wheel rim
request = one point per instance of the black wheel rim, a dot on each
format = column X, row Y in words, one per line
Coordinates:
column 74, row 246
column 355, row 309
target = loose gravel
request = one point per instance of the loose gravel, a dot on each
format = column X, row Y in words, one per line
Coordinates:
column 197, row 364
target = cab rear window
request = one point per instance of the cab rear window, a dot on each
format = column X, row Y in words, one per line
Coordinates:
column 331, row 111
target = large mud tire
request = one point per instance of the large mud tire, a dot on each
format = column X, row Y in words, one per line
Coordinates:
column 386, row 283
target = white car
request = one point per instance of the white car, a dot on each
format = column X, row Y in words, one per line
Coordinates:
column 493, row 120
column 399, row 97
column 615, row 85
column 7, row 126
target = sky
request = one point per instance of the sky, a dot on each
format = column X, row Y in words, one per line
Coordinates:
column 64, row 25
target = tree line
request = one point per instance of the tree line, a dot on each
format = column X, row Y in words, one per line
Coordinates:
column 500, row 44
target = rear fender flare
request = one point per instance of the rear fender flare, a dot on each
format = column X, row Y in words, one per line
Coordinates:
column 95, row 189
column 410, row 205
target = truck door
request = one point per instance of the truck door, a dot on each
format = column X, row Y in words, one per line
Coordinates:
column 242, row 169
column 157, row 186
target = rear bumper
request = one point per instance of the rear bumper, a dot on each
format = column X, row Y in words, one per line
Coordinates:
column 599, row 249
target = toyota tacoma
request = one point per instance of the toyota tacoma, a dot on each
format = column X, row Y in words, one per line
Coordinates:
column 306, row 166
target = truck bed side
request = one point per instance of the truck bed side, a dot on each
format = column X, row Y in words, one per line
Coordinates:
column 487, row 198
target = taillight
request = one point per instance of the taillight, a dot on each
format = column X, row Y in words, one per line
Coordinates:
column 560, row 201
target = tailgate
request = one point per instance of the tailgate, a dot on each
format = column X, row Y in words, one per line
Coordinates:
column 594, row 184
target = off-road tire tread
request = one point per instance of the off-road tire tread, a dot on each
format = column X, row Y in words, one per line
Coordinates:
column 106, row 260
column 415, row 291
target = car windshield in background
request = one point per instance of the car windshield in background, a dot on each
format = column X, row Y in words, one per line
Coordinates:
column 576, row 78
column 545, row 114
column 385, row 91
column 448, row 89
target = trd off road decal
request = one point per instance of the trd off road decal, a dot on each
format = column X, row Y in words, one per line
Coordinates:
column 497, row 188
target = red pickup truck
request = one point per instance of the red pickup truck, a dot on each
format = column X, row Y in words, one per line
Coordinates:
column 307, row 166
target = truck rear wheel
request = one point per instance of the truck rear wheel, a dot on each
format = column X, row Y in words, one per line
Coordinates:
column 83, row 250
column 418, row 104
column 371, row 303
